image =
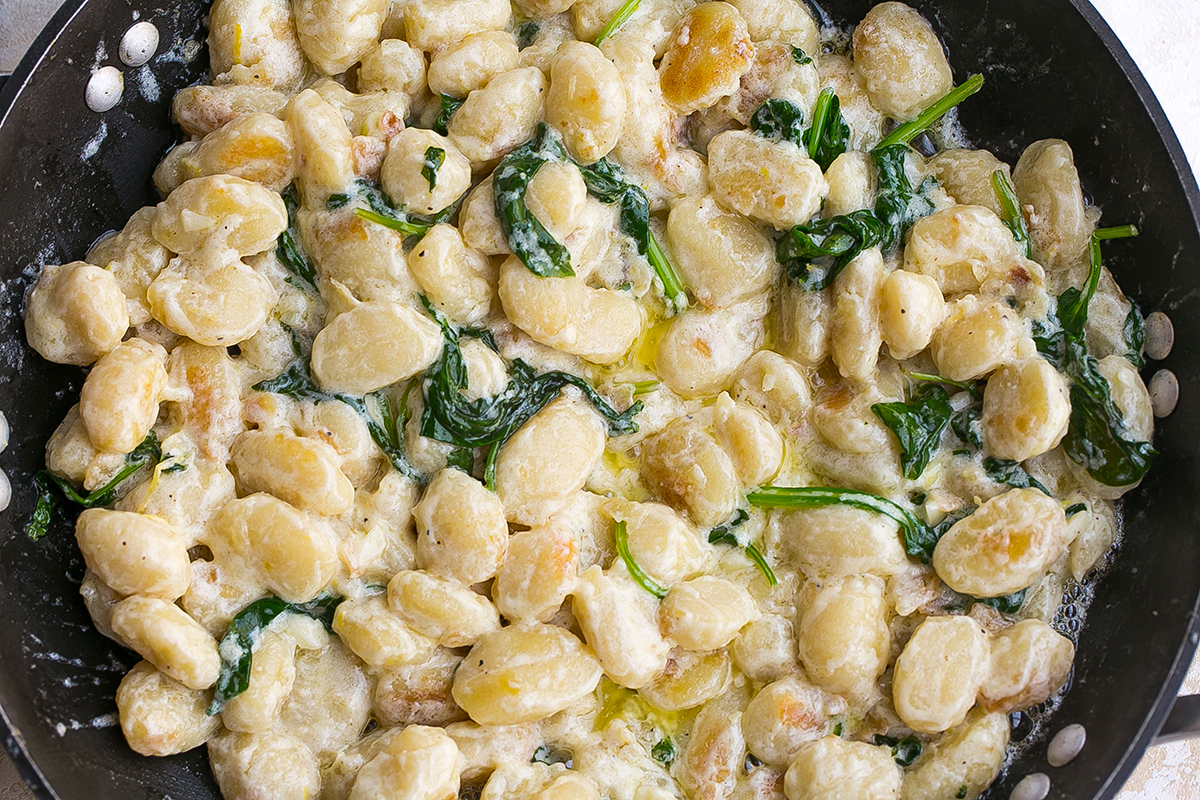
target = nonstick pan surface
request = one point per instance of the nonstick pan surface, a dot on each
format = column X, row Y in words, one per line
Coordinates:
column 1052, row 68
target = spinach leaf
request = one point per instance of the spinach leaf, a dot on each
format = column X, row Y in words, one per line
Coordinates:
column 148, row 453
column 296, row 382
column 962, row 792
column 1008, row 604
column 621, row 535
column 898, row 204
column 918, row 426
column 1073, row 303
column 1013, row 217
column 905, row 751
column 824, row 141
column 800, row 57
column 724, row 534
column 1011, row 473
column 43, row 511
column 462, row 459
column 544, row 754
column 434, row 158
column 288, row 249
column 525, row 234
column 1050, row 340
column 965, row 421
column 339, row 200
column 911, row 130
column 779, row 119
column 664, row 751
column 1097, row 438
column 972, row 387
column 604, row 181
column 618, row 19
column 1075, row 509
column 179, row 464
column 382, row 211
column 237, row 645
column 967, row 426
column 919, row 538
column 396, row 221
column 1134, row 333
column 836, row 241
column 829, row 135
column 389, row 435
column 490, row 421
column 449, row 106
column 525, row 33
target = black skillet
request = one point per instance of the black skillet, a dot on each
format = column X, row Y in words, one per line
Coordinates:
column 1053, row 69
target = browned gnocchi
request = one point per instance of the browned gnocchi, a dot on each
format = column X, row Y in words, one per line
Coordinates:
column 576, row 399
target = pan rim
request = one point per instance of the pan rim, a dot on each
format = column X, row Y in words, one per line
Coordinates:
column 14, row 742
column 42, row 46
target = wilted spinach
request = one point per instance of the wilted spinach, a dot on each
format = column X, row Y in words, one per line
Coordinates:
column 1097, row 438
column 1013, row 217
column 664, row 751
column 525, row 234
column 434, row 158
column 836, row 242
column 965, row 421
column 1073, row 303
column 779, row 119
column 639, row 576
column 966, row 425
column 1134, row 333
column 1011, row 473
column 1008, row 604
column 918, row 426
column 829, row 135
column 525, row 33
column 919, row 537
column 905, row 751
column 449, row 106
column 148, row 453
column 296, row 382
column 237, row 645
column 604, row 182
column 825, row 140
column 288, row 248
column 450, row 417
column 898, row 204
column 381, row 209
column 724, row 534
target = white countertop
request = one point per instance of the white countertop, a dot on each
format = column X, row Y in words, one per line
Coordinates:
column 1163, row 36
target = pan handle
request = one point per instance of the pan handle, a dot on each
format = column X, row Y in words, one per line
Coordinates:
column 1183, row 722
